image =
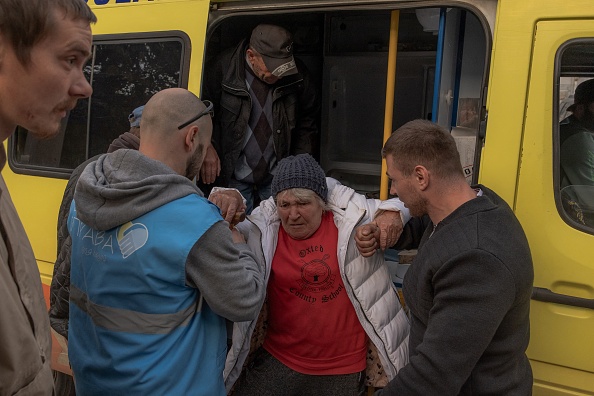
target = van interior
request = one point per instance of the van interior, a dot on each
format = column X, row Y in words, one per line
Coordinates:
column 348, row 52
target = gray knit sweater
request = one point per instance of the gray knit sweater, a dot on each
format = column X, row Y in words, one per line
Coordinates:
column 469, row 291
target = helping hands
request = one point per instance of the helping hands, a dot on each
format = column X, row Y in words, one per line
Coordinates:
column 381, row 233
column 231, row 204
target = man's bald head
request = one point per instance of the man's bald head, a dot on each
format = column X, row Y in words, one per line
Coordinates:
column 161, row 138
column 169, row 108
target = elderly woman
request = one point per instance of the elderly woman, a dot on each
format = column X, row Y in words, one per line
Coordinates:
column 325, row 302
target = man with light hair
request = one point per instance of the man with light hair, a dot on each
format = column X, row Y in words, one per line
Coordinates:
column 468, row 289
column 43, row 47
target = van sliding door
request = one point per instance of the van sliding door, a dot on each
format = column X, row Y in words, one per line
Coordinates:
column 557, row 211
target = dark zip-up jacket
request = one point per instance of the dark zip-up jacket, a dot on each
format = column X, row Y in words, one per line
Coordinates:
column 468, row 291
column 295, row 109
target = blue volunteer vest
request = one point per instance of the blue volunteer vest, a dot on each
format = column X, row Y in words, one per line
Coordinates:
column 135, row 327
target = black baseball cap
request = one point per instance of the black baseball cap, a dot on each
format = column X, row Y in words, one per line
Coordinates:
column 275, row 45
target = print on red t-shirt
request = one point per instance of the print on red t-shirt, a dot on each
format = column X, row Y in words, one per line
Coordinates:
column 312, row 325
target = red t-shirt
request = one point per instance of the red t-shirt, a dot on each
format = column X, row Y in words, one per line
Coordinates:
column 312, row 325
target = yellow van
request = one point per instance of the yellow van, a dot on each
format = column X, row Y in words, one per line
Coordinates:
column 500, row 74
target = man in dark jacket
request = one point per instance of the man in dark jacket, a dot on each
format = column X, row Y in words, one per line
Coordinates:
column 469, row 287
column 266, row 108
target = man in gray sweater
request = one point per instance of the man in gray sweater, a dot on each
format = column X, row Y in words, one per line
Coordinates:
column 469, row 287
column 155, row 270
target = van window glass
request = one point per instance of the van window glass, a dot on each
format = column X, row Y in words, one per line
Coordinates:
column 575, row 135
column 124, row 75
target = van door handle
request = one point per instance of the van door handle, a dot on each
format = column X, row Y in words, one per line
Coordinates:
column 545, row 295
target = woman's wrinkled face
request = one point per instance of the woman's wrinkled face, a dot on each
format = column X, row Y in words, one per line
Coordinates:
column 300, row 218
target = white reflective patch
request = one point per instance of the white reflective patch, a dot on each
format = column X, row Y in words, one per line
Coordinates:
column 125, row 320
column 284, row 68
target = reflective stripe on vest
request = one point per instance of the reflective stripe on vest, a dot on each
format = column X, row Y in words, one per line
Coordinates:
column 117, row 319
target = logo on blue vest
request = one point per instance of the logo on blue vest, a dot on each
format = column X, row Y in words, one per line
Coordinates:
column 131, row 237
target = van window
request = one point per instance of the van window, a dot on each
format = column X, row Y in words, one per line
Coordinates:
column 574, row 149
column 124, row 74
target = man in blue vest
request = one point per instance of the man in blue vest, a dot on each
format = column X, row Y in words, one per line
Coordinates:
column 155, row 268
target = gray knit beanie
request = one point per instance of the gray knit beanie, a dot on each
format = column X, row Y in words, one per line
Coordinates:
column 300, row 171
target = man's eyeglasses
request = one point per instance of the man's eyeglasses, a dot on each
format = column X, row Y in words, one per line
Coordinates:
column 208, row 110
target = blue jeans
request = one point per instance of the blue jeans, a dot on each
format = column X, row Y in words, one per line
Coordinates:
column 249, row 191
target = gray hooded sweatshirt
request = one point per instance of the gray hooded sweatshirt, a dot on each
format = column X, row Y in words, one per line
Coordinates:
column 124, row 185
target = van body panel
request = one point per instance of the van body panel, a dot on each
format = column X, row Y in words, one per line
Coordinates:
column 38, row 210
column 563, row 254
column 501, row 155
column 517, row 154
column 517, row 161
column 554, row 380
